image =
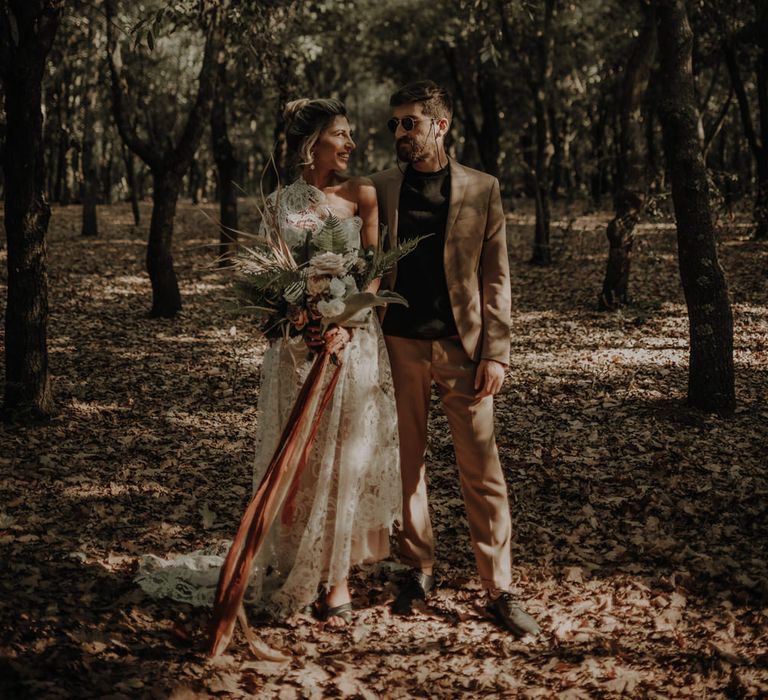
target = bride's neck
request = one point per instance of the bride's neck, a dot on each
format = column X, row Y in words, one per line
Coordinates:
column 319, row 178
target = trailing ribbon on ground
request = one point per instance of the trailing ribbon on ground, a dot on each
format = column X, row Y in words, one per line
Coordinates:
column 277, row 489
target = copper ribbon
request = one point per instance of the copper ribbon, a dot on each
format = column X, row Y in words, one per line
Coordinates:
column 265, row 503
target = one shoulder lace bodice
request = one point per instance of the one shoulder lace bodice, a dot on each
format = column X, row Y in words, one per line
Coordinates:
column 302, row 210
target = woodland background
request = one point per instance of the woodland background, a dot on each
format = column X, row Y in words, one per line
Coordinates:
column 631, row 143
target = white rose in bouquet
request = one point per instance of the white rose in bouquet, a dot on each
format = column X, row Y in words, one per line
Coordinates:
column 350, row 284
column 337, row 288
column 329, row 309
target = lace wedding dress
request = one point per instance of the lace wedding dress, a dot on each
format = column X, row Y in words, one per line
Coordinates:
column 350, row 493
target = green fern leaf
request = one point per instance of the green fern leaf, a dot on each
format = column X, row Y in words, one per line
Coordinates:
column 331, row 238
column 384, row 261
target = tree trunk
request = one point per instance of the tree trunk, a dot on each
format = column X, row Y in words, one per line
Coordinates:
column 106, row 165
column 490, row 131
column 166, row 299
column 631, row 181
column 130, row 176
column 66, row 151
column 27, row 31
column 90, row 182
column 761, row 198
column 275, row 171
column 194, row 179
column 167, row 162
column 61, row 166
column 757, row 138
column 542, row 254
column 558, row 156
column 653, row 150
column 540, row 87
column 597, row 176
column 473, row 150
column 227, row 165
column 711, row 370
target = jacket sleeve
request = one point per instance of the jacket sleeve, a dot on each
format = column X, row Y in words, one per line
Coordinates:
column 495, row 283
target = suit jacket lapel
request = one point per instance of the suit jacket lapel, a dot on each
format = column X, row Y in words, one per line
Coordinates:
column 458, row 186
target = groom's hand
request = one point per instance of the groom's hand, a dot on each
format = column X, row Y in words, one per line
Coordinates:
column 488, row 378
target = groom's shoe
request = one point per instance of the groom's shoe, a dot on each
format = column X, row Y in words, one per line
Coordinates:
column 511, row 616
column 416, row 586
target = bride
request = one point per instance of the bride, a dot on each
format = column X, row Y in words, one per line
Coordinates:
column 350, row 493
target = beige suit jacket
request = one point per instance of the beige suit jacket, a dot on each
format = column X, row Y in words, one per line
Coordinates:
column 475, row 257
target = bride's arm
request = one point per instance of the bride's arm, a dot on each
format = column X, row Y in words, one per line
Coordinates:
column 368, row 210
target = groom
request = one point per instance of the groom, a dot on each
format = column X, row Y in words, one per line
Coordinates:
column 454, row 333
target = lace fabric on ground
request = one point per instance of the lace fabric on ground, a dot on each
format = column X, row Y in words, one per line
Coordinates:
column 350, row 493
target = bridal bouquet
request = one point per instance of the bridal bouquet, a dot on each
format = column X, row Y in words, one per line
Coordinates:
column 321, row 281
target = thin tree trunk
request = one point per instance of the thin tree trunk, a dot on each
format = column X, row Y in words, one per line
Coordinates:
column 597, row 177
column 66, row 179
column 106, row 165
column 655, row 167
column 714, row 129
column 27, row 31
column 472, row 149
column 757, row 138
column 130, row 176
column 631, row 181
column 711, row 370
column 61, row 165
column 90, row 185
column 193, row 182
column 489, row 145
column 542, row 254
column 227, row 165
column 276, row 169
column 540, row 87
column 556, row 139
column 761, row 198
column 526, row 150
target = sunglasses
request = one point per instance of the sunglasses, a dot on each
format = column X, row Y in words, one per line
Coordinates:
column 407, row 123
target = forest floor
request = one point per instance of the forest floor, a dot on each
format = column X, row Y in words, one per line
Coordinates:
column 641, row 531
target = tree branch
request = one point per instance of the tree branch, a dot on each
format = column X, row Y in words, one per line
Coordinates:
column 143, row 148
column 198, row 117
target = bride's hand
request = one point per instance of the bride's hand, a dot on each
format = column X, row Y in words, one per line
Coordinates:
column 313, row 337
column 336, row 339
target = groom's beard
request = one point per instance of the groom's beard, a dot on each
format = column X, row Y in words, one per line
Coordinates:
column 410, row 150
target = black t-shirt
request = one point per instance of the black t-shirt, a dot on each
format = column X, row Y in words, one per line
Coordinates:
column 423, row 209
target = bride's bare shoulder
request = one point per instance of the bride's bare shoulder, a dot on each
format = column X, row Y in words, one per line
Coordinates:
column 355, row 182
column 360, row 184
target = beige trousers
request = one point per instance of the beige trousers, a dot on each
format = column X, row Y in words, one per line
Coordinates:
column 415, row 365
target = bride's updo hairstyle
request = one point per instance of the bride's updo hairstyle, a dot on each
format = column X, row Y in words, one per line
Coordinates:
column 304, row 122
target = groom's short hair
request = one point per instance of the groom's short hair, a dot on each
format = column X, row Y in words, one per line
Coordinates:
column 435, row 100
